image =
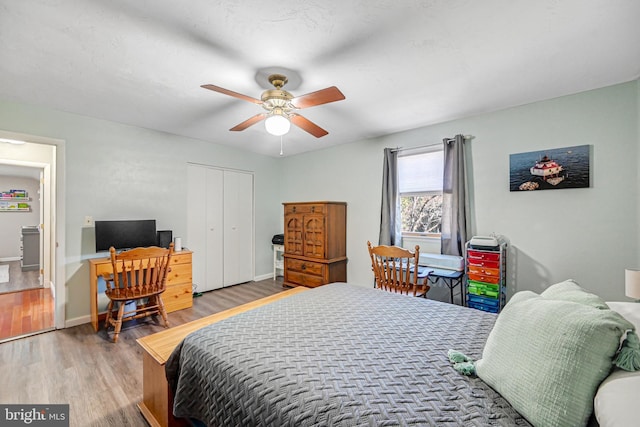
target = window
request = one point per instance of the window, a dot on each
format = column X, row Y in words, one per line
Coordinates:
column 420, row 187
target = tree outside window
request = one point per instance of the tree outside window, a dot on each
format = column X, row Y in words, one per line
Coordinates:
column 420, row 187
column 421, row 214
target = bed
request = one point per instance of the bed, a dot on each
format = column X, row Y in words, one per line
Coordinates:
column 339, row 354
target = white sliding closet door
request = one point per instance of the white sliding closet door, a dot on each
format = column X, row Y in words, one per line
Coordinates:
column 204, row 226
column 238, row 227
column 220, row 226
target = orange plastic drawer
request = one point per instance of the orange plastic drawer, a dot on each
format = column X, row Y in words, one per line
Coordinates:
column 483, row 278
column 485, row 271
column 483, row 255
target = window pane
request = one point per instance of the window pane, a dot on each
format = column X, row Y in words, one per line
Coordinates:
column 420, row 173
column 421, row 214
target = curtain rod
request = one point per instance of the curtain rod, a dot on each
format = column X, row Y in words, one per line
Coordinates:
column 466, row 138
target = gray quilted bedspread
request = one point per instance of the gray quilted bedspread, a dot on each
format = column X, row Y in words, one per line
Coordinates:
column 338, row 355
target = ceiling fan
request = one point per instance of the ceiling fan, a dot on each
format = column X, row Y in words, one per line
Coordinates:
column 281, row 107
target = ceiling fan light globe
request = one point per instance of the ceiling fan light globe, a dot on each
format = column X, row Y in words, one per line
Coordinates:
column 277, row 125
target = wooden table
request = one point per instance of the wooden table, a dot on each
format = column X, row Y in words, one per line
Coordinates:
column 179, row 292
column 157, row 402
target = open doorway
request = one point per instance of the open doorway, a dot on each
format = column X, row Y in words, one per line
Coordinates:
column 27, row 251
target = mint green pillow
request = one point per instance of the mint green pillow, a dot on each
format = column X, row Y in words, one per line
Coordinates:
column 548, row 356
column 569, row 290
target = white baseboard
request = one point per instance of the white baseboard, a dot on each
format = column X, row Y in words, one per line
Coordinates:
column 10, row 258
column 69, row 323
column 263, row 277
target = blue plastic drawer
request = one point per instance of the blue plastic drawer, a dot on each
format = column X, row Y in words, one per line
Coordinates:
column 483, row 307
column 488, row 301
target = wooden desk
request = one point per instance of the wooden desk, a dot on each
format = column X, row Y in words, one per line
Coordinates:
column 179, row 292
column 157, row 402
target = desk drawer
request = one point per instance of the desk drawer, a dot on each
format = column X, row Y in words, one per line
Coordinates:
column 181, row 258
column 180, row 273
column 177, row 297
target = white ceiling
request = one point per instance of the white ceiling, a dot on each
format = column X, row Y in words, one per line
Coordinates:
column 401, row 64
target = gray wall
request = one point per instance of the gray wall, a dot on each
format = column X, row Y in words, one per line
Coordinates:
column 11, row 222
column 115, row 171
column 588, row 234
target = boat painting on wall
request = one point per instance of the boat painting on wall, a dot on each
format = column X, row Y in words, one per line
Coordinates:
column 550, row 169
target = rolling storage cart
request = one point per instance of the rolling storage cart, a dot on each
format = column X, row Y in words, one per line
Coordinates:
column 486, row 262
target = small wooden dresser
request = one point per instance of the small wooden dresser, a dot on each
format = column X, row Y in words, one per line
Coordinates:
column 177, row 296
column 315, row 243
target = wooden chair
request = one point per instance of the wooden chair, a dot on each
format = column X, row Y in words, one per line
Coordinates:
column 138, row 273
column 396, row 270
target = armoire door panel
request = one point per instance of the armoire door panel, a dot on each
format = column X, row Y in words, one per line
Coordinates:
column 314, row 236
column 293, row 231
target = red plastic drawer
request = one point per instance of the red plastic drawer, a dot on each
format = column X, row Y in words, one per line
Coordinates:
column 483, row 278
column 483, row 263
column 485, row 271
column 483, row 255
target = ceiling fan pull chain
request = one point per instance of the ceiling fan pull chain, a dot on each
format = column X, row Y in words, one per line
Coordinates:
column 281, row 145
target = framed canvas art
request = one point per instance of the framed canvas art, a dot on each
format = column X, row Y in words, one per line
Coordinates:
column 551, row 169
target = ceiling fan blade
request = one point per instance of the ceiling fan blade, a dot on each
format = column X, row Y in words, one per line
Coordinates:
column 231, row 93
column 324, row 96
column 249, row 122
column 307, row 125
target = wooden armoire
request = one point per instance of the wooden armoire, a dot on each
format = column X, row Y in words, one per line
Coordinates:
column 315, row 243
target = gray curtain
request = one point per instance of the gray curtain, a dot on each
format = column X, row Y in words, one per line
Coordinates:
column 390, row 227
column 455, row 211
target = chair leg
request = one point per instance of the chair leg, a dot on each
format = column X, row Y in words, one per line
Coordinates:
column 162, row 310
column 109, row 315
column 119, row 321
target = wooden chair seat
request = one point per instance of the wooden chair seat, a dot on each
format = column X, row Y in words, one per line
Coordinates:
column 396, row 270
column 138, row 274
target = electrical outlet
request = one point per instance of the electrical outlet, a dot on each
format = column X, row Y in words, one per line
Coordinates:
column 88, row 221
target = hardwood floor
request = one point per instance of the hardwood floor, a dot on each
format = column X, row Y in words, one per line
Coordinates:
column 25, row 312
column 100, row 380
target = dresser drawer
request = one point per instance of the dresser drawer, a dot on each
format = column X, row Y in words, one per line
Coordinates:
column 181, row 258
column 177, row 297
column 305, row 267
column 180, row 273
column 307, row 280
column 310, row 208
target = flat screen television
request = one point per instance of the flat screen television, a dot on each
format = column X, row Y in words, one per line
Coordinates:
column 125, row 234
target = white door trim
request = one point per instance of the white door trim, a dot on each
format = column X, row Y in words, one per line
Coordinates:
column 56, row 221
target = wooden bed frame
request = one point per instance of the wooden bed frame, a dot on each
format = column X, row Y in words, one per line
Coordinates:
column 157, row 402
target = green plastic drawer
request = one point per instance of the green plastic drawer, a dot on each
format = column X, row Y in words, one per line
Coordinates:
column 488, row 289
